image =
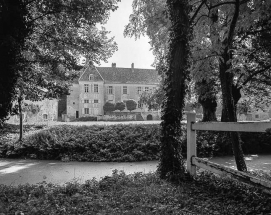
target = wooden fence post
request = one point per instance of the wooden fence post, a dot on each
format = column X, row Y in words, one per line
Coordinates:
column 191, row 142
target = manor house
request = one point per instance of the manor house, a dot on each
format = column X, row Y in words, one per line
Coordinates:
column 97, row 85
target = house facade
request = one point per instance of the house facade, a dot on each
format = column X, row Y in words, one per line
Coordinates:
column 98, row 85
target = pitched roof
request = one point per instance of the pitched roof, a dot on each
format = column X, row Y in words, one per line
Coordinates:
column 122, row 75
column 91, row 70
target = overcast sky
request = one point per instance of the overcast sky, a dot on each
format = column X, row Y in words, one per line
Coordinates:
column 129, row 50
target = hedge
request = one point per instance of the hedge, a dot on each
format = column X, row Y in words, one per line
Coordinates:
column 120, row 143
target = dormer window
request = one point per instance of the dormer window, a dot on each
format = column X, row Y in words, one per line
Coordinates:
column 91, row 77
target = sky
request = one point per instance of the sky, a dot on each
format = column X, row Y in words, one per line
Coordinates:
column 129, row 50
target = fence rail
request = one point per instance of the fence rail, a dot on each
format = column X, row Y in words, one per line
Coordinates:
column 193, row 161
column 232, row 126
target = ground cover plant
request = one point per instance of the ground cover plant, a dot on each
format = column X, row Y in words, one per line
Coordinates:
column 136, row 194
column 115, row 143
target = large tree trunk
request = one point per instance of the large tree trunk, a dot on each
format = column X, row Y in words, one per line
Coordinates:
column 171, row 161
column 229, row 110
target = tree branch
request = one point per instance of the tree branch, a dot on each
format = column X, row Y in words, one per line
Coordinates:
column 250, row 77
column 197, row 10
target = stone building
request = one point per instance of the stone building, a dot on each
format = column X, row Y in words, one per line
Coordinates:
column 38, row 111
column 98, row 85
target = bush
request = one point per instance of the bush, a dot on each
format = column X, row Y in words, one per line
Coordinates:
column 121, row 143
column 131, row 104
column 120, row 106
column 109, row 107
column 90, row 143
column 85, row 119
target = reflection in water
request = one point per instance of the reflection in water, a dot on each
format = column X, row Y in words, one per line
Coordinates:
column 15, row 168
column 254, row 162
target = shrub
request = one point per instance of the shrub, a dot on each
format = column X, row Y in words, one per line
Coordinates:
column 85, row 119
column 120, row 106
column 109, row 107
column 131, row 104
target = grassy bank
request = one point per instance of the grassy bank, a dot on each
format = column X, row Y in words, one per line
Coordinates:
column 136, row 194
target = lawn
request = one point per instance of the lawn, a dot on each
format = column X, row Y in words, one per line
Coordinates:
column 136, row 194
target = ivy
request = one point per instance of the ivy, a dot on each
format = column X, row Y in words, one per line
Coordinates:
column 171, row 164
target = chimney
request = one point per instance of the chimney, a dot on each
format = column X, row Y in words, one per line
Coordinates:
column 132, row 67
column 114, row 65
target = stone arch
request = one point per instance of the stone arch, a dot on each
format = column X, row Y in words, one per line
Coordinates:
column 149, row 117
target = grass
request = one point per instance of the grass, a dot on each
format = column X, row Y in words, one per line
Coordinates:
column 136, row 194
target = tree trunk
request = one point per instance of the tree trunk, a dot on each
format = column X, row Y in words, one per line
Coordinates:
column 207, row 99
column 209, row 109
column 171, row 165
column 229, row 109
column 21, row 118
column 236, row 94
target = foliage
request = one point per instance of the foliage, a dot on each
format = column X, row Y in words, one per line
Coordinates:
column 89, row 143
column 171, row 165
column 62, row 32
column 109, row 143
column 13, row 31
column 153, row 99
column 120, row 106
column 131, row 104
column 136, row 194
column 109, row 107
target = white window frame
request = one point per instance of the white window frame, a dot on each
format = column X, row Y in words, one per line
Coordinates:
column 86, row 101
column 86, row 110
column 125, row 90
column 86, row 88
column 110, row 90
column 96, row 88
column 146, row 89
column 139, row 90
column 91, row 77
column 96, row 100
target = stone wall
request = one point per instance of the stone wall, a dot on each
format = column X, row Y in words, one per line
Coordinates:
column 48, row 111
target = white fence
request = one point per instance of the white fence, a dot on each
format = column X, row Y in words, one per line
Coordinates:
column 193, row 161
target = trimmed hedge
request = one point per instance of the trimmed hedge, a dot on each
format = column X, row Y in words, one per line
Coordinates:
column 121, row 143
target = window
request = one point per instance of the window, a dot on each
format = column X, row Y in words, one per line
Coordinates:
column 139, row 105
column 74, row 103
column 110, row 89
column 124, row 90
column 96, row 88
column 86, row 88
column 86, row 101
column 86, row 110
column 146, row 89
column 45, row 116
column 96, row 101
column 257, row 116
column 91, row 78
column 139, row 90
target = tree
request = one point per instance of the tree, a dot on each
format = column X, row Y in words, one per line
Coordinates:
column 149, row 17
column 62, row 32
column 120, row 106
column 153, row 99
column 171, row 161
column 109, row 107
column 131, row 104
column 14, row 29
